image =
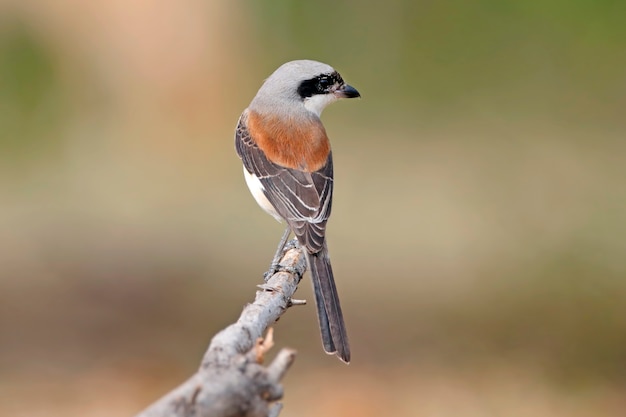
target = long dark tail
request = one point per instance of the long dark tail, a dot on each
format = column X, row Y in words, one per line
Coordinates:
column 334, row 336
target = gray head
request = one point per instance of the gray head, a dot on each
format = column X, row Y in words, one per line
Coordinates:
column 310, row 83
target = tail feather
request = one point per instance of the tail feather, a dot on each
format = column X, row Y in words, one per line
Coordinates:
column 332, row 326
column 322, row 315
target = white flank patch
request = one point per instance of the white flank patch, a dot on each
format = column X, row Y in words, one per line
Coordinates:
column 256, row 188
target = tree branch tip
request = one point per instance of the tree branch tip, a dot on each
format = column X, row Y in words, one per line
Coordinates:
column 275, row 410
column 281, row 363
column 262, row 346
column 294, row 302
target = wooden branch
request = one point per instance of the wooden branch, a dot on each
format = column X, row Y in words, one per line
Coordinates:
column 231, row 380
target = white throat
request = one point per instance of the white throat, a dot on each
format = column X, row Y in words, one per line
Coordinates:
column 318, row 102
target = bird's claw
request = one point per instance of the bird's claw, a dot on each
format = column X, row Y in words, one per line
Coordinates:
column 292, row 244
column 278, row 268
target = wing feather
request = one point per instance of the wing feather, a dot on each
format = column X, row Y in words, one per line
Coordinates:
column 302, row 198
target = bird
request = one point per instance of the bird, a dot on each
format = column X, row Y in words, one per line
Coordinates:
column 288, row 168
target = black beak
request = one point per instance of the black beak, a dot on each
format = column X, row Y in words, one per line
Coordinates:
column 347, row 91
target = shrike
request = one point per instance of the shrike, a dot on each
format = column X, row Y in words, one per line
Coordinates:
column 288, row 166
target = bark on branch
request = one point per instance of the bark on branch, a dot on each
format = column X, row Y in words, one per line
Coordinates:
column 231, row 380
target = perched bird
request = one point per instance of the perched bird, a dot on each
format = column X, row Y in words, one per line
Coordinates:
column 288, row 167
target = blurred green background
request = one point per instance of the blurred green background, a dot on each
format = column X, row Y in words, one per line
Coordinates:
column 479, row 222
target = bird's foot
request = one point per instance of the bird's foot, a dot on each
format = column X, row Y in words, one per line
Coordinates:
column 292, row 244
column 278, row 268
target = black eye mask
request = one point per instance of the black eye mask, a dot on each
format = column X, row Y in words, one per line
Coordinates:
column 319, row 85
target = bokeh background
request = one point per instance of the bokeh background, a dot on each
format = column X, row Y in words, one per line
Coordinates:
column 479, row 224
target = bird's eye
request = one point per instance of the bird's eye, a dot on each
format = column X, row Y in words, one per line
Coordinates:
column 325, row 82
column 322, row 84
